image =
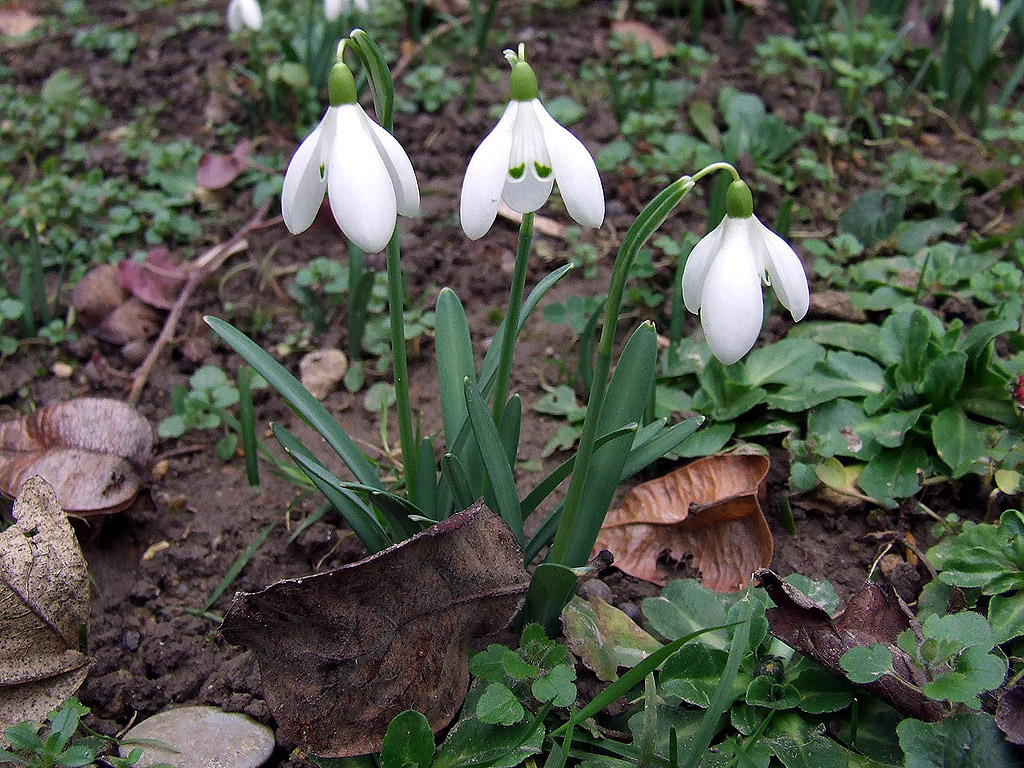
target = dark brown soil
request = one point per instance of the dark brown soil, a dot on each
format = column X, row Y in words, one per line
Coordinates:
column 156, row 562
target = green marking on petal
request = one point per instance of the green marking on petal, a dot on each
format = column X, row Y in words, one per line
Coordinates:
column 517, row 172
column 543, row 171
column 323, row 171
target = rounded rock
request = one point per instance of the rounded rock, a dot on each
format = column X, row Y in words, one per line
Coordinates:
column 202, row 737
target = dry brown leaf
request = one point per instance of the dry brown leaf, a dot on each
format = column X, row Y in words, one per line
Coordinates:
column 109, row 312
column 875, row 614
column 90, row 450
column 707, row 509
column 341, row 653
column 157, row 280
column 641, row 34
column 44, row 601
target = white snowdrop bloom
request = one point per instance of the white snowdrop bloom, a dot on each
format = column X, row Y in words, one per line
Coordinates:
column 244, row 13
column 334, row 8
column 520, row 160
column 722, row 278
column 362, row 169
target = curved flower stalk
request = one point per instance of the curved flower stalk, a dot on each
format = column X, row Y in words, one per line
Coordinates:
column 722, row 277
column 333, row 9
column 520, row 160
column 244, row 14
column 362, row 169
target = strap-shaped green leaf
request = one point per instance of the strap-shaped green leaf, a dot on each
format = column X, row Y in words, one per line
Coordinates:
column 426, row 471
column 299, row 400
column 499, row 473
column 454, row 475
column 454, row 362
column 360, row 518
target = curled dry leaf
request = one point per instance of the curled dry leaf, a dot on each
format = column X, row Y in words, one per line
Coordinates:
column 641, row 34
column 1010, row 714
column 341, row 653
column 875, row 614
column 90, row 450
column 157, row 281
column 218, row 171
column 708, row 509
column 44, row 601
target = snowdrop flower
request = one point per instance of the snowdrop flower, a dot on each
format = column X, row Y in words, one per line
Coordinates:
column 722, row 278
column 362, row 169
column 244, row 13
column 523, row 156
column 334, row 8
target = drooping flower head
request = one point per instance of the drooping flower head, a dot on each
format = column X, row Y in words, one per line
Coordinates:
column 723, row 275
column 362, row 169
column 334, row 8
column 244, row 13
column 520, row 160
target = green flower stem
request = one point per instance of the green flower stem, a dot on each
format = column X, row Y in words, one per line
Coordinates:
column 515, row 302
column 396, row 310
column 645, row 225
column 721, row 166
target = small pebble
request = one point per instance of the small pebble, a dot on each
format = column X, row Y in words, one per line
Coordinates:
column 61, row 370
column 131, row 640
column 203, row 737
column 596, row 588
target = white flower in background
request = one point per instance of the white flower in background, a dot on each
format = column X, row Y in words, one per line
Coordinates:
column 722, row 278
column 522, row 157
column 244, row 13
column 334, row 8
column 362, row 169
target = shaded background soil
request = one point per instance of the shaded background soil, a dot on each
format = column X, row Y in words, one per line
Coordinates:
column 157, row 561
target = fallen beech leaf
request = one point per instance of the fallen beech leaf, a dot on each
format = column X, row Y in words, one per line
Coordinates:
column 604, row 637
column 875, row 614
column 44, row 601
column 341, row 653
column 218, row 171
column 707, row 509
column 156, row 281
column 89, row 450
column 641, row 34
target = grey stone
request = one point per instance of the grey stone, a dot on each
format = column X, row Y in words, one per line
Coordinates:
column 203, row 737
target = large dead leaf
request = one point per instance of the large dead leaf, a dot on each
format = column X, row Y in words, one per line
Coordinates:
column 44, row 601
column 90, row 450
column 341, row 653
column 708, row 510
column 875, row 614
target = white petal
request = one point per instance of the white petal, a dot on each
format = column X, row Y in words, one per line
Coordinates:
column 333, row 9
column 305, row 180
column 403, row 177
column 244, row 13
column 485, row 177
column 359, row 187
column 732, row 308
column 575, row 171
column 785, row 271
column 695, row 271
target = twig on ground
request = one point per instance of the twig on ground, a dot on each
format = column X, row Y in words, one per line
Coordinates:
column 198, row 271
